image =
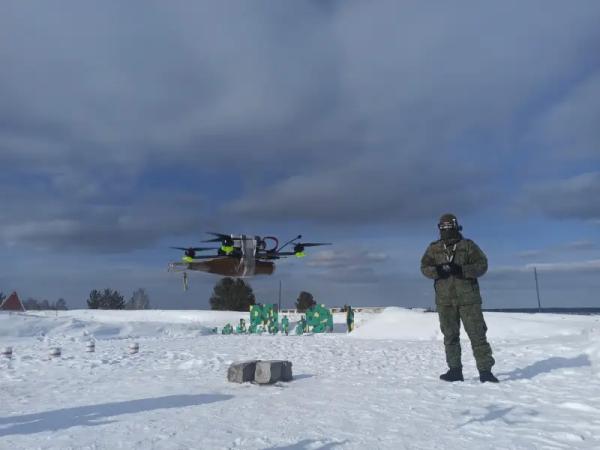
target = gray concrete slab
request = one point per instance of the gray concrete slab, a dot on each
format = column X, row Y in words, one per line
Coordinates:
column 242, row 371
column 268, row 372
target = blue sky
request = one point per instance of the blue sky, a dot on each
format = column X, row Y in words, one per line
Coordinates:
column 129, row 128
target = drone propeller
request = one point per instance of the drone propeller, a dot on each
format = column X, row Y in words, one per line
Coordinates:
column 299, row 247
column 298, row 250
column 196, row 249
column 220, row 237
column 191, row 251
column 226, row 239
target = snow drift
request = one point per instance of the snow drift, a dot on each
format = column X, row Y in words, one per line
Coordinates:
column 419, row 325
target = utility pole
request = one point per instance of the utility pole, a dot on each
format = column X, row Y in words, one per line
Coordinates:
column 537, row 289
column 279, row 295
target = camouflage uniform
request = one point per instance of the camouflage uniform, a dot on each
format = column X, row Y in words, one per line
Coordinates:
column 457, row 298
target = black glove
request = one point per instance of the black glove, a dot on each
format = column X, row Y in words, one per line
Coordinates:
column 456, row 270
column 443, row 270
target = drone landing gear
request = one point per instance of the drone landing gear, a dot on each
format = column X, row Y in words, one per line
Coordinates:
column 185, row 281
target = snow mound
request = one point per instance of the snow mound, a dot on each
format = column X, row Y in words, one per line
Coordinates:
column 420, row 325
column 593, row 350
column 400, row 323
column 209, row 318
column 86, row 324
column 536, row 326
column 392, row 323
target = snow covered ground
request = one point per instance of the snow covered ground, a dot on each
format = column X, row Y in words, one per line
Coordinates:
column 376, row 388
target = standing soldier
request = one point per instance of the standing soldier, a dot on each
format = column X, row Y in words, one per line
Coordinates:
column 455, row 264
column 241, row 328
column 349, row 318
column 285, row 325
column 301, row 326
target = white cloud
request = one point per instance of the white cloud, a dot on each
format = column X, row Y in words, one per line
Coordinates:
column 570, row 128
column 571, row 198
column 572, row 266
column 563, row 266
column 112, row 225
column 530, row 254
column 332, row 259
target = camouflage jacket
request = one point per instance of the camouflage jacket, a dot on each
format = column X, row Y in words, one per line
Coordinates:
column 455, row 290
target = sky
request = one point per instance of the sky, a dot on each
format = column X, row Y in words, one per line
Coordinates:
column 130, row 127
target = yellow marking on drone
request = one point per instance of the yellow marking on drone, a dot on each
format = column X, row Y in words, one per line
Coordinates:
column 227, row 249
column 300, row 254
column 187, row 259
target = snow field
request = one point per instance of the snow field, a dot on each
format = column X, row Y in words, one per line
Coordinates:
column 376, row 388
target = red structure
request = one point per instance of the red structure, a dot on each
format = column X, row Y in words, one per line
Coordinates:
column 12, row 303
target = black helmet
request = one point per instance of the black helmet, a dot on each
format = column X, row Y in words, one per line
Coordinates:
column 449, row 228
column 449, row 222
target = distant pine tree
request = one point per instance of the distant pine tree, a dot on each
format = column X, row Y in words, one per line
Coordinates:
column 107, row 299
column 232, row 295
column 139, row 300
column 305, row 301
column 31, row 304
column 60, row 305
column 93, row 301
column 45, row 305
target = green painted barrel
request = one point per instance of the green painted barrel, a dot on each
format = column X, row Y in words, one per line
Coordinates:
column 319, row 319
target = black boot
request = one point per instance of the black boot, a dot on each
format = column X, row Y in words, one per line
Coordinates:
column 453, row 375
column 487, row 375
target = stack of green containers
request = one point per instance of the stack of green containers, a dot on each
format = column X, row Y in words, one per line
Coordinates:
column 263, row 317
column 266, row 318
column 255, row 316
column 319, row 319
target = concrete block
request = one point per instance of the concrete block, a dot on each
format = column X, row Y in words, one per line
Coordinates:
column 268, row 372
column 242, row 371
column 286, row 371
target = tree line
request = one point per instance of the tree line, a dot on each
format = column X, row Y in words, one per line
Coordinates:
column 112, row 299
column 98, row 299
column 229, row 294
column 33, row 304
column 41, row 305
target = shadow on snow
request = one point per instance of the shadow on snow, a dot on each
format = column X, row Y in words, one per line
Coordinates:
column 546, row 366
column 495, row 412
column 309, row 443
column 94, row 415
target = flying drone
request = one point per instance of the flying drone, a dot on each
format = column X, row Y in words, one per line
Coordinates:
column 238, row 256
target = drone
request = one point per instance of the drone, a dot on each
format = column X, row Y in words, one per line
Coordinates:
column 238, row 256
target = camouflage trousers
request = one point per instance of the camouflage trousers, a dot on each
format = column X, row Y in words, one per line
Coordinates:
column 474, row 325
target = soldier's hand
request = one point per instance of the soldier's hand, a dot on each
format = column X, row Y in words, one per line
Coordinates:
column 456, row 270
column 443, row 270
